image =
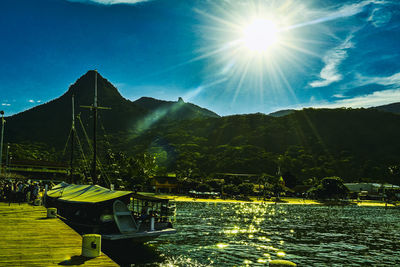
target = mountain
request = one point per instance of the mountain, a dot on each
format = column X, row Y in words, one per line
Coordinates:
column 51, row 122
column 175, row 110
column 281, row 113
column 394, row 108
column 355, row 144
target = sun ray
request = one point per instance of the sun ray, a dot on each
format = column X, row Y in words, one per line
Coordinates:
column 286, row 82
column 241, row 80
column 255, row 45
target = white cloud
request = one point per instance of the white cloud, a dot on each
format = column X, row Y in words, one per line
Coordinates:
column 6, row 104
column 340, row 11
column 110, row 2
column 350, row 10
column 332, row 60
column 393, row 80
column 379, row 17
column 33, row 101
column 339, row 96
column 353, row 9
column 391, row 95
column 369, row 100
column 334, row 57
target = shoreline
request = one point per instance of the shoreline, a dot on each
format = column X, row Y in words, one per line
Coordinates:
column 284, row 200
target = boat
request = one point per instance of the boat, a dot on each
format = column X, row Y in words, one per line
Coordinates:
column 114, row 214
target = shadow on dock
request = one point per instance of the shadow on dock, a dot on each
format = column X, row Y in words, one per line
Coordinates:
column 75, row 260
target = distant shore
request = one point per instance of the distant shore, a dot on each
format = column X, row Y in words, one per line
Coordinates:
column 283, row 200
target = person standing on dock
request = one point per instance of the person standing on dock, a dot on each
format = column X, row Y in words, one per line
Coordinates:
column 35, row 191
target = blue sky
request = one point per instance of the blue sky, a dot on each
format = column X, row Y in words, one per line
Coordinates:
column 324, row 53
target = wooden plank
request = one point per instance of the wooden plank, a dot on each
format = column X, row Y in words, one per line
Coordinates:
column 28, row 238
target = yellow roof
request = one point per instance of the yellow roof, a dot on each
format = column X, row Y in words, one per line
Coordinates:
column 84, row 193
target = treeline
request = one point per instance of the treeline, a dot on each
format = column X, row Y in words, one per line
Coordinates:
column 354, row 144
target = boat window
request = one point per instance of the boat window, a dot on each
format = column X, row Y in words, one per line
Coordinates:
column 158, row 209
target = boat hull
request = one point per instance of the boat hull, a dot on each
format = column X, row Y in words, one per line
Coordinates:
column 97, row 210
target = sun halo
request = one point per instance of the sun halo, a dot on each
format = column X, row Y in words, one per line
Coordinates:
column 260, row 35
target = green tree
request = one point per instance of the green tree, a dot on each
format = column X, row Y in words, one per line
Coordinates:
column 231, row 189
column 330, row 188
column 204, row 188
column 246, row 189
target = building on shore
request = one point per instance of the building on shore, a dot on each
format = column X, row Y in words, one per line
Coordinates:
column 37, row 169
column 370, row 190
column 165, row 184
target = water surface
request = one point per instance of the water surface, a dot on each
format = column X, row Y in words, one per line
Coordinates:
column 251, row 234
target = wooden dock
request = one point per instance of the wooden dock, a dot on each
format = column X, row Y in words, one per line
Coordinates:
column 28, row 238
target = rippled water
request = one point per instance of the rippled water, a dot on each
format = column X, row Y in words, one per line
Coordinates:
column 246, row 234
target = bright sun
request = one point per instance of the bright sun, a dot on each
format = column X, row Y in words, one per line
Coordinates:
column 255, row 44
column 260, row 35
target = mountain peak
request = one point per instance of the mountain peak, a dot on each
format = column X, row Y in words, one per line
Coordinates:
column 174, row 110
column 83, row 89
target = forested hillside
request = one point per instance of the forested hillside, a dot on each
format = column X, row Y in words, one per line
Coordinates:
column 355, row 144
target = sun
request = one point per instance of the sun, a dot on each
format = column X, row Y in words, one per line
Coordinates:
column 260, row 35
column 254, row 46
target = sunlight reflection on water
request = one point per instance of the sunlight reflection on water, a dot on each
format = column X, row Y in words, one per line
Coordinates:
column 238, row 234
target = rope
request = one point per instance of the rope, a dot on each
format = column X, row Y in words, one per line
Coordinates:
column 85, row 133
column 109, row 145
column 85, row 165
column 66, row 144
column 91, row 150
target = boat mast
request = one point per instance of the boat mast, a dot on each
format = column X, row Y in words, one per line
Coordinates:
column 94, row 108
column 72, row 141
column 94, row 174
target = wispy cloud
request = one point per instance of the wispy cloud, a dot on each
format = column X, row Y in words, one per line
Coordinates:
column 6, row 104
column 380, row 17
column 33, row 101
column 339, row 96
column 353, row 9
column 332, row 59
column 109, row 2
column 369, row 100
column 390, row 95
column 393, row 80
column 340, row 11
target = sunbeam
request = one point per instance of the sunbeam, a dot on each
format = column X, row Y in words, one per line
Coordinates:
column 253, row 45
column 250, row 40
column 258, row 44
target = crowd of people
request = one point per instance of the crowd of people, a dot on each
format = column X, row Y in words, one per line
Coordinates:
column 19, row 191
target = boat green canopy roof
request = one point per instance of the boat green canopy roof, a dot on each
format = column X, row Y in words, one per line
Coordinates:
column 92, row 194
column 84, row 193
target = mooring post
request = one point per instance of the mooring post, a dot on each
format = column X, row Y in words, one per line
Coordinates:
column 91, row 245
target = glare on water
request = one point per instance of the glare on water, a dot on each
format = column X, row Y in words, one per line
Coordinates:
column 234, row 234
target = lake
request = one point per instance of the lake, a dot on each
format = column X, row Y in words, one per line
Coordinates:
column 251, row 234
